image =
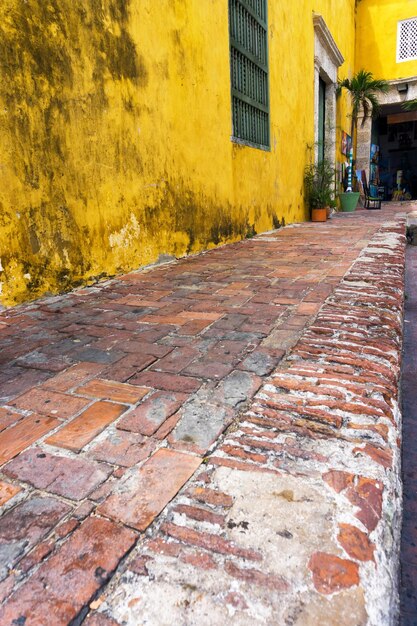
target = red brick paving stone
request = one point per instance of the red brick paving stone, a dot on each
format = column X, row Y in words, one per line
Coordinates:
column 175, row 340
column 214, row 543
column 356, row 543
column 76, row 434
column 236, row 601
column 169, row 424
column 161, row 546
column 176, row 360
column 142, row 347
column 143, row 493
column 127, row 367
column 7, row 418
column 227, row 349
column 36, row 556
column 111, row 342
column 366, row 494
column 174, row 320
column 137, row 301
column 338, row 480
column 209, row 369
column 193, row 327
column 23, row 434
column 90, row 353
column 7, row 491
column 155, row 333
column 139, row 564
column 309, row 308
column 286, row 301
column 68, row 580
column 210, row 496
column 282, row 339
column 331, row 573
column 83, row 510
column 199, row 514
column 65, row 528
column 166, row 382
column 152, row 412
column 122, row 448
column 381, row 429
column 73, row 376
column 41, row 361
column 99, row 619
column 6, row 587
column 71, row 478
column 104, row 490
column 261, row 361
column 201, row 315
column 255, row 577
column 240, row 453
column 20, row 384
column 152, row 296
column 112, row 390
column 201, row 560
column 50, row 403
column 378, row 454
column 25, row 525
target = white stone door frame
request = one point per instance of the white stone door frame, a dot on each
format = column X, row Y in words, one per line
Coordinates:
column 327, row 60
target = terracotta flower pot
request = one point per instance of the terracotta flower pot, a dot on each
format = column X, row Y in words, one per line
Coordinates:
column 319, row 215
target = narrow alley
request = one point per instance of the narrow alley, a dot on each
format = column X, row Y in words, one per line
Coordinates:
column 213, row 440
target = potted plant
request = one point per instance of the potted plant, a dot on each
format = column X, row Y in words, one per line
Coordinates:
column 319, row 184
column 363, row 89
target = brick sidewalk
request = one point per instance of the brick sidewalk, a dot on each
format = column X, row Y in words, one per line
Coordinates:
column 113, row 396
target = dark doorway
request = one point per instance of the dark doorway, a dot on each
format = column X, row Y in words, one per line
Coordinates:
column 322, row 118
column 393, row 158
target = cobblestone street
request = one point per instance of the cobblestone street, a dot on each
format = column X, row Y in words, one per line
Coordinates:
column 213, row 440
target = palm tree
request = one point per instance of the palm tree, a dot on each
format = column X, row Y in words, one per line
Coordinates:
column 363, row 89
column 411, row 105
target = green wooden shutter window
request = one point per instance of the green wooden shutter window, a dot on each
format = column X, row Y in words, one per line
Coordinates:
column 249, row 71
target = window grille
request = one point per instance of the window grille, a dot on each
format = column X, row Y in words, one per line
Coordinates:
column 407, row 40
column 249, row 71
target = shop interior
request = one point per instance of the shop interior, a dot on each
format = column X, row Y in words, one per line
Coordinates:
column 393, row 159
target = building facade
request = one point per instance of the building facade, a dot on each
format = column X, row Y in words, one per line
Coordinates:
column 135, row 129
column 386, row 45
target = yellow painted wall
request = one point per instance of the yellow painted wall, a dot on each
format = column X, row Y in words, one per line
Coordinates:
column 376, row 49
column 115, row 128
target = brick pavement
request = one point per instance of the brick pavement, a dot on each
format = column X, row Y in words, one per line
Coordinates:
column 114, row 401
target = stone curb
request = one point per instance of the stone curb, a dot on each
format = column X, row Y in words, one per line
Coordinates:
column 295, row 518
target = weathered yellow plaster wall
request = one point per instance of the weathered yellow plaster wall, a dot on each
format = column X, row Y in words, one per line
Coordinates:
column 291, row 57
column 115, row 129
column 376, row 49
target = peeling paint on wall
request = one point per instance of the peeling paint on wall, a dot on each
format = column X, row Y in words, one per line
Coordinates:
column 125, row 237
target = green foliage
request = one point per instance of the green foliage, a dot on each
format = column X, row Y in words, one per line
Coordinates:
column 319, row 184
column 363, row 89
column 411, row 105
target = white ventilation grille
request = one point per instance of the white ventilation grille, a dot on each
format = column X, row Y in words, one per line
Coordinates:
column 407, row 40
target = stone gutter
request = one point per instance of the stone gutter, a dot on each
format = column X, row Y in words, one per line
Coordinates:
column 412, row 228
column 295, row 517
